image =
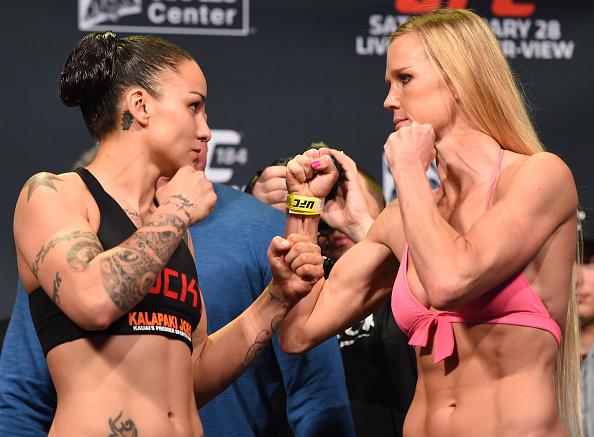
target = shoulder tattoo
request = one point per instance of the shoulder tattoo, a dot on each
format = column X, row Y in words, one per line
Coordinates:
column 41, row 179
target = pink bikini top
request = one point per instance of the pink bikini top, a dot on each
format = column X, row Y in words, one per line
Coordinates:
column 514, row 302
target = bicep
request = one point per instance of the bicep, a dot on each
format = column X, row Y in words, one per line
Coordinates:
column 358, row 282
column 53, row 237
column 538, row 200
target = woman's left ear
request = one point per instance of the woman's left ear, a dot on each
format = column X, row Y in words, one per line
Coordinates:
column 135, row 106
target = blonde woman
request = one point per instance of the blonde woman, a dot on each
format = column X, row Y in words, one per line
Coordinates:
column 483, row 287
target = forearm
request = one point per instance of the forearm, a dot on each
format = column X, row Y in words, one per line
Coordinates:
column 230, row 350
column 439, row 251
column 130, row 269
column 100, row 286
column 303, row 224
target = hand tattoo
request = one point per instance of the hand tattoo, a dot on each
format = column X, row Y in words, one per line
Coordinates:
column 183, row 204
column 123, row 429
column 41, row 179
column 277, row 299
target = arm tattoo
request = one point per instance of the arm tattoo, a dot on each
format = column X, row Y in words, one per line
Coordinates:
column 254, row 350
column 42, row 179
column 183, row 204
column 89, row 239
column 56, row 289
column 123, row 428
column 82, row 253
column 277, row 299
column 131, row 270
column 259, row 343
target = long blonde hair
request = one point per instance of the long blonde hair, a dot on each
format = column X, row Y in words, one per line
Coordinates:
column 467, row 55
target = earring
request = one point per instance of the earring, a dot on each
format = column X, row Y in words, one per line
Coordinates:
column 126, row 120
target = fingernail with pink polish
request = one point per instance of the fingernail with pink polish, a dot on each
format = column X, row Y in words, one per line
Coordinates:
column 316, row 164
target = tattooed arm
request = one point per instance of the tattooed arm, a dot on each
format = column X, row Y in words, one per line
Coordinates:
column 220, row 358
column 92, row 286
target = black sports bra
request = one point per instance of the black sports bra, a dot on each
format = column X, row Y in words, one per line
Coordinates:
column 171, row 308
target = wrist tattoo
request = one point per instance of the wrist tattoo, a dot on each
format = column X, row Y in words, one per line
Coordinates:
column 41, row 179
column 274, row 298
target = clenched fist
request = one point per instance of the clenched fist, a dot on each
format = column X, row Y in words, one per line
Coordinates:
column 190, row 191
column 410, row 146
column 296, row 264
column 311, row 174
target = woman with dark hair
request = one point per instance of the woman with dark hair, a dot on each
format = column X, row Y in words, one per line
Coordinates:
column 113, row 289
column 484, row 287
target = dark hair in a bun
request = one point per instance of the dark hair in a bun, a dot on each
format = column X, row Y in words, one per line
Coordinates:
column 101, row 67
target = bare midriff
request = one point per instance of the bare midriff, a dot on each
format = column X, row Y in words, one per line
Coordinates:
column 498, row 383
column 124, row 383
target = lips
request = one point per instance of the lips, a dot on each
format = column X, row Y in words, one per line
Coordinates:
column 340, row 240
column 397, row 121
column 582, row 297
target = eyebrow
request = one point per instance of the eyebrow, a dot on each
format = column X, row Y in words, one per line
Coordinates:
column 396, row 72
column 200, row 94
column 401, row 69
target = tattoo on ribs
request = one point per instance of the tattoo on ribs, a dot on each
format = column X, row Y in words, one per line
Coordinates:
column 78, row 256
column 125, row 428
column 131, row 271
column 42, row 179
column 56, row 289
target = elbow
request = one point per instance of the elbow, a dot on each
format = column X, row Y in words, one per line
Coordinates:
column 92, row 319
column 448, row 294
column 95, row 313
column 442, row 303
column 95, row 323
column 293, row 344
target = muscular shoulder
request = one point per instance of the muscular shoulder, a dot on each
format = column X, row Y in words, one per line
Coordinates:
column 46, row 195
column 387, row 229
column 45, row 185
column 542, row 178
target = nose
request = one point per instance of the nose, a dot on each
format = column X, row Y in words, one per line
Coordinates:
column 392, row 100
column 202, row 130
